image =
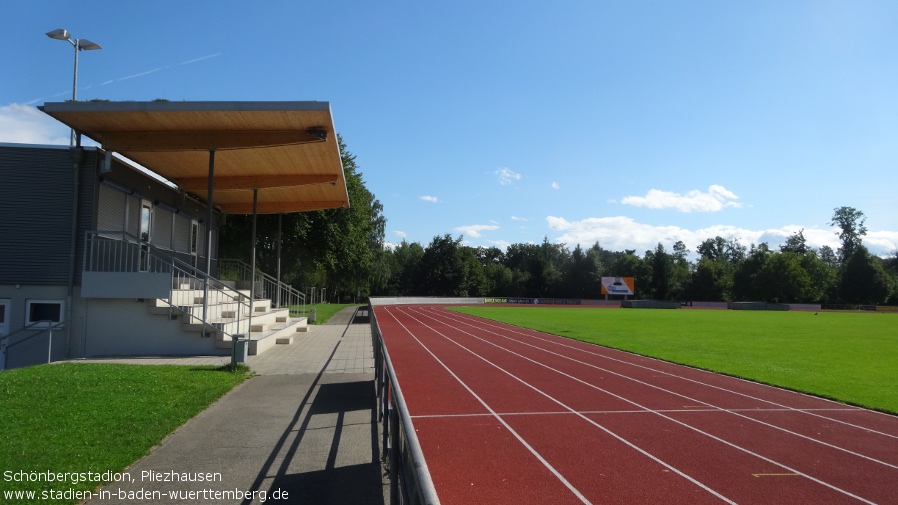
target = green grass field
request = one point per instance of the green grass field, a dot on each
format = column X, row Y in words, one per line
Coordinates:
column 324, row 311
column 850, row 357
column 90, row 417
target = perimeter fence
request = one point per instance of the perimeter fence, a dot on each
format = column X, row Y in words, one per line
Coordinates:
column 410, row 481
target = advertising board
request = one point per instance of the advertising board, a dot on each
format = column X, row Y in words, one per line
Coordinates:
column 618, row 286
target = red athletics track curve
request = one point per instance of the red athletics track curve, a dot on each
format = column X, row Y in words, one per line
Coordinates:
column 508, row 415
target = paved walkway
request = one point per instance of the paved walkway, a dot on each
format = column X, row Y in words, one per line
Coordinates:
column 304, row 430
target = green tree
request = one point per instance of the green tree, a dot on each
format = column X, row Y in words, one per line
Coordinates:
column 864, row 280
column 851, row 228
column 661, row 265
column 334, row 248
column 744, row 274
column 709, row 281
column 441, row 270
column 823, row 277
column 782, row 279
column 631, row 265
column 795, row 243
column 582, row 277
column 405, row 265
column 680, row 272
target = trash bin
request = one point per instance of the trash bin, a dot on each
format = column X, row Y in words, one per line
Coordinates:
column 240, row 348
column 312, row 315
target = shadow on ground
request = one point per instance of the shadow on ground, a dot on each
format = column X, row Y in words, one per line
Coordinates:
column 341, row 425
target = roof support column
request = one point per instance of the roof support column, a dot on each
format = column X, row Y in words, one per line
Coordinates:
column 252, row 286
column 280, row 222
column 209, row 208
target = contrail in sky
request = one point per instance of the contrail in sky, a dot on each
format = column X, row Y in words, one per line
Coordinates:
column 200, row 58
column 119, row 79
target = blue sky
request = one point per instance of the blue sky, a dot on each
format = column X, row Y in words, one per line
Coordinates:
column 624, row 123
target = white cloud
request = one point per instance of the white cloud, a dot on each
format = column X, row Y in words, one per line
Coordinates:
column 27, row 125
column 555, row 185
column 716, row 199
column 507, row 176
column 400, row 234
column 428, row 198
column 618, row 233
column 475, row 230
column 881, row 242
column 517, row 218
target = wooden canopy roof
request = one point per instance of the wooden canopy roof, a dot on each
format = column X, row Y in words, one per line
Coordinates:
column 286, row 150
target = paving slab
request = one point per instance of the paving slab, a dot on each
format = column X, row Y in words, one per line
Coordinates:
column 303, row 430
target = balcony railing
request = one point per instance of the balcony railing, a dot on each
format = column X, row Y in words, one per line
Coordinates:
column 280, row 293
column 223, row 309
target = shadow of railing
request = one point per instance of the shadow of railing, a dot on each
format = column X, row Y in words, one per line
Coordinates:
column 346, row 408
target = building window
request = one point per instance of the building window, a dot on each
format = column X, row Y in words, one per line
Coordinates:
column 43, row 312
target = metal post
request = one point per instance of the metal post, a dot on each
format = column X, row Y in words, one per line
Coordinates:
column 280, row 222
column 394, row 456
column 252, row 276
column 50, row 345
column 209, row 203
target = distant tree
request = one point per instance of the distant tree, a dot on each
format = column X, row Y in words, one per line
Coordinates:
column 474, row 281
column 823, row 277
column 405, row 278
column 712, row 248
column 850, row 222
column 582, row 277
column 442, row 267
column 630, row 265
column 828, row 256
column 709, row 281
column 744, row 288
column 680, row 272
column 795, row 243
column 864, row 280
column 660, row 264
column 782, row 279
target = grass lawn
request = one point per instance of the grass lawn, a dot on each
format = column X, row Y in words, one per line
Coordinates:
column 850, row 357
column 88, row 417
column 324, row 311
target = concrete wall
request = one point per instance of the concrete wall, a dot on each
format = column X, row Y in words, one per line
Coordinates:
column 393, row 300
column 25, row 351
column 117, row 327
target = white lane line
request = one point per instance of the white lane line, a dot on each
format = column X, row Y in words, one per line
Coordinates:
column 571, row 410
column 659, row 388
column 810, row 412
column 598, row 412
column 684, row 424
column 511, row 430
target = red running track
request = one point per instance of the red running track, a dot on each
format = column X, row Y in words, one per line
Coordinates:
column 507, row 415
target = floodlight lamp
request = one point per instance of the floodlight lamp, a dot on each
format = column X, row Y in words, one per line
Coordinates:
column 60, row 34
column 86, row 45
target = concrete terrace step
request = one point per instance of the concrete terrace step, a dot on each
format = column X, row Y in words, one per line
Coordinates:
column 281, row 333
column 227, row 316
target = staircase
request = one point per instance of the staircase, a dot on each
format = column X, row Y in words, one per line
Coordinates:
column 120, row 267
column 228, row 315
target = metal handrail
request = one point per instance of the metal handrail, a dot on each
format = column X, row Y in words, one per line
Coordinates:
column 278, row 292
column 37, row 325
column 118, row 251
column 410, row 480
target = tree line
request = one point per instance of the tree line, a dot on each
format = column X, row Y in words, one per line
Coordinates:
column 725, row 270
column 343, row 251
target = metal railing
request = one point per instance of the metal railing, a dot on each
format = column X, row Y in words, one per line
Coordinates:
column 267, row 287
column 202, row 299
column 410, row 480
column 40, row 327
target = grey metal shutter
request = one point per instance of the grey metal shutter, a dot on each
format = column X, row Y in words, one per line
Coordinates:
column 111, row 209
column 162, row 221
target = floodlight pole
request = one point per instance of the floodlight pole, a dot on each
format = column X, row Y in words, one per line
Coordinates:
column 79, row 45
